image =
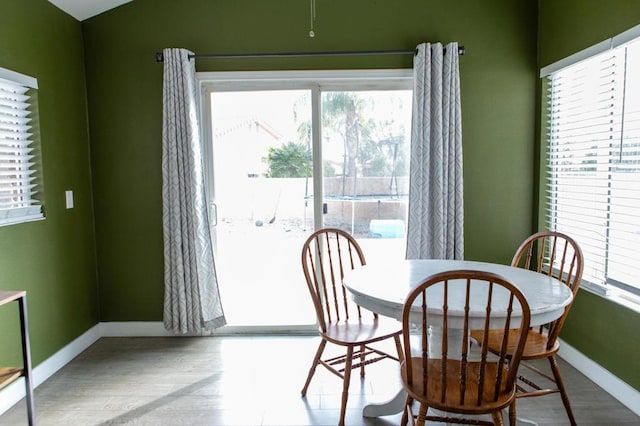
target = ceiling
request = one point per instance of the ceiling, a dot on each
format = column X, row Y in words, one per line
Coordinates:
column 85, row 9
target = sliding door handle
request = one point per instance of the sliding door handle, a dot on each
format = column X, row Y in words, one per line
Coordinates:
column 213, row 214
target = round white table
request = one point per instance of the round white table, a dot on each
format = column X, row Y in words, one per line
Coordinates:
column 382, row 288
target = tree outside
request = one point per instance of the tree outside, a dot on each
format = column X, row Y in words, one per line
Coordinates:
column 372, row 146
column 291, row 160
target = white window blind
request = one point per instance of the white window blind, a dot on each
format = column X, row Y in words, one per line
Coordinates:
column 593, row 184
column 18, row 180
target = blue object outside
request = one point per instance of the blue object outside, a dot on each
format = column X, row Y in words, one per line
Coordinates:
column 386, row 228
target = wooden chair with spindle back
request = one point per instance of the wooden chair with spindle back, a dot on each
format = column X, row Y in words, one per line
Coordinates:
column 451, row 383
column 326, row 256
column 558, row 255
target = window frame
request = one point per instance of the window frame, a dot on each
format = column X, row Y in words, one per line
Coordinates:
column 27, row 208
column 625, row 294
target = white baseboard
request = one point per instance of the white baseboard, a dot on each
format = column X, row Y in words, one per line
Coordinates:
column 134, row 329
column 13, row 393
column 610, row 383
column 16, row 390
column 156, row 329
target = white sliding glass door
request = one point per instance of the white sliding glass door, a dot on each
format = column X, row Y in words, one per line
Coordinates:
column 266, row 134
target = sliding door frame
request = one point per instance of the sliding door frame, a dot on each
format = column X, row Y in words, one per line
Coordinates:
column 316, row 82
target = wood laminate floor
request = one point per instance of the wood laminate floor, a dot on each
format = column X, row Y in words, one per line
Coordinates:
column 246, row 380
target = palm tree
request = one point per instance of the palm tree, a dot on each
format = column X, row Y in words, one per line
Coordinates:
column 290, row 160
column 342, row 112
column 371, row 146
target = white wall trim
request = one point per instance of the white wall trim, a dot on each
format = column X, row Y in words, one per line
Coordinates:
column 16, row 390
column 16, row 77
column 13, row 393
column 307, row 76
column 611, row 43
column 156, row 329
column 372, row 79
column 580, row 56
column 610, row 383
column 134, row 329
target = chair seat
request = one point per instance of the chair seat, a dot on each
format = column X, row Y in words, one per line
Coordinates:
column 362, row 331
column 535, row 346
column 451, row 403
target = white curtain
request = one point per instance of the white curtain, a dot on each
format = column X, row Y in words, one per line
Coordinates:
column 191, row 298
column 435, row 224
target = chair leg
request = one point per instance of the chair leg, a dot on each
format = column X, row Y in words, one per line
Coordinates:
column 512, row 413
column 396, row 339
column 345, row 386
column 362, row 351
column 312, row 370
column 422, row 415
column 555, row 369
column 497, row 418
column 407, row 413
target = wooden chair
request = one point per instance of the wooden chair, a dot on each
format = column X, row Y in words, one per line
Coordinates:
column 558, row 255
column 326, row 255
column 441, row 373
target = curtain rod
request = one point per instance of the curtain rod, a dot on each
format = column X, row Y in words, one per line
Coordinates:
column 160, row 56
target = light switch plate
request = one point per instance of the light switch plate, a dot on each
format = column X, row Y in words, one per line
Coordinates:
column 69, row 199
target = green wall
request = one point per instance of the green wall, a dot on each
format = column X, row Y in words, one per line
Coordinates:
column 604, row 331
column 106, row 65
column 498, row 83
column 53, row 259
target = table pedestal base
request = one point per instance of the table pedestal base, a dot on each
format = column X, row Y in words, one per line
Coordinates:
column 393, row 406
